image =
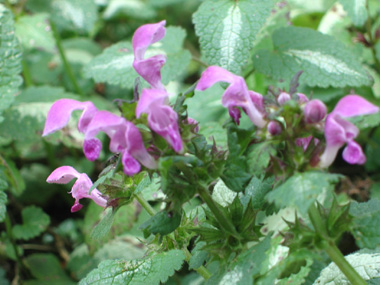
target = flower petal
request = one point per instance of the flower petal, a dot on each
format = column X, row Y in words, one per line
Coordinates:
column 130, row 165
column 149, row 97
column 92, row 148
column 314, row 111
column 353, row 153
column 63, row 175
column 150, row 70
column 212, row 75
column 60, row 113
column 354, row 105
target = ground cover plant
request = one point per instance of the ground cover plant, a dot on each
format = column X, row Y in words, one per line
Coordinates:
column 189, row 142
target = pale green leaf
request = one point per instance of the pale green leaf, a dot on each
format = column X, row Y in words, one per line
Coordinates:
column 10, row 60
column 114, row 65
column 365, row 262
column 366, row 223
column 323, row 60
column 357, row 11
column 222, row 195
column 227, row 29
column 303, row 189
column 35, row 221
column 132, row 8
column 35, row 32
column 152, row 270
column 3, row 205
column 366, row 121
column 256, row 190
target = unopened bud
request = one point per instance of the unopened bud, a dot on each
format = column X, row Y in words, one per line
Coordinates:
column 302, row 98
column 274, row 128
column 314, row 111
column 283, row 98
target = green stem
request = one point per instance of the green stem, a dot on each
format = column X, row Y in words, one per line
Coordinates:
column 145, row 204
column 248, row 73
column 66, row 64
column 331, row 249
column 202, row 271
column 223, row 221
column 199, row 61
column 371, row 40
column 8, row 228
column 26, row 73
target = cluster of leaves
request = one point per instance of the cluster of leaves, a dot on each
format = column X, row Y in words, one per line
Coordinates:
column 82, row 50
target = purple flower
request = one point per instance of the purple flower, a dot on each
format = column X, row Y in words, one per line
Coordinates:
column 274, row 128
column 60, row 113
column 339, row 131
column 283, row 98
column 80, row 189
column 150, row 68
column 236, row 95
column 162, row 119
column 124, row 137
column 315, row 111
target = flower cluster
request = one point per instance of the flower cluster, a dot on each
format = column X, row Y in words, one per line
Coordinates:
column 125, row 137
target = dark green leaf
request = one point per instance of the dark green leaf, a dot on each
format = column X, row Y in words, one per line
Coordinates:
column 366, row 223
column 3, row 205
column 256, row 191
column 199, row 256
column 162, row 223
column 35, row 222
column 258, row 157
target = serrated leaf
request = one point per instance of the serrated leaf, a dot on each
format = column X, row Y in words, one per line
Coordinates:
column 114, row 65
column 46, row 267
column 228, row 28
column 366, row 223
column 356, row 10
column 256, row 191
column 303, row 189
column 162, row 223
column 35, row 221
column 3, row 205
column 35, row 32
column 132, row 8
column 365, row 262
column 323, row 60
column 152, row 270
column 258, row 157
column 10, row 60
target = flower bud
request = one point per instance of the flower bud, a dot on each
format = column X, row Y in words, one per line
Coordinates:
column 274, row 128
column 314, row 111
column 302, row 98
column 283, row 98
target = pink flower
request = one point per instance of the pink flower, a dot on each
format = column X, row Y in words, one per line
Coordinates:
column 283, row 98
column 315, row 111
column 274, row 128
column 150, row 68
column 124, row 137
column 162, row 119
column 339, row 131
column 80, row 189
column 60, row 113
column 236, row 95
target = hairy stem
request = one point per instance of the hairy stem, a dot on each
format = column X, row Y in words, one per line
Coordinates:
column 66, row 64
column 202, row 271
column 145, row 204
column 331, row 249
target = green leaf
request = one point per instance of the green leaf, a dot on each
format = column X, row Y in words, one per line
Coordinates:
column 10, row 60
column 356, row 10
column 247, row 265
column 227, row 29
column 366, row 121
column 13, row 176
column 366, row 223
column 323, row 60
column 365, row 262
column 303, row 189
column 198, row 255
column 131, row 9
column 46, row 267
column 3, row 205
column 258, row 157
column 35, row 32
column 152, row 270
column 222, row 194
column 103, row 227
column 114, row 65
column 162, row 223
column 35, row 222
column 256, row 191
